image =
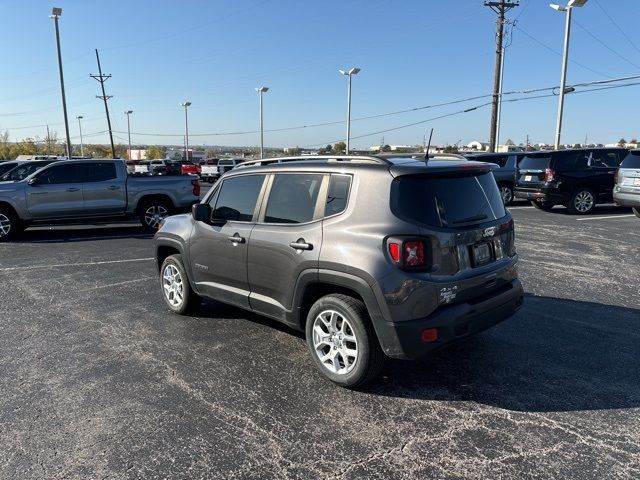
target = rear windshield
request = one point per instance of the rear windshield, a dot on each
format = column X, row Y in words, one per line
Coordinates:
column 446, row 201
column 631, row 161
column 534, row 163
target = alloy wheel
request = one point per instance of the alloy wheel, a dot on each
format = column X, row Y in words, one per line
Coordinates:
column 154, row 215
column 173, row 286
column 334, row 342
column 583, row 201
column 5, row 225
column 506, row 194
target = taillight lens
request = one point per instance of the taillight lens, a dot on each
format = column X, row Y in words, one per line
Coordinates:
column 394, row 251
column 409, row 253
column 413, row 253
column 196, row 187
column 549, row 175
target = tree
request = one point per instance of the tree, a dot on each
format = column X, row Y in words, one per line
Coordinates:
column 633, row 140
column 509, row 142
column 622, row 142
column 385, row 148
column 451, row 149
column 155, row 152
column 293, row 151
column 577, row 145
column 339, row 147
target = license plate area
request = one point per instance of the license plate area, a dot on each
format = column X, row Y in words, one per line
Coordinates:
column 636, row 182
column 528, row 178
column 481, row 254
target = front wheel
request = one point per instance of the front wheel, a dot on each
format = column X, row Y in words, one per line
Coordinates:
column 9, row 224
column 152, row 213
column 636, row 210
column 342, row 341
column 176, row 289
column 583, row 201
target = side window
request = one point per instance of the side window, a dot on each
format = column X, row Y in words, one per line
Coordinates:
column 293, row 198
column 337, row 195
column 67, row 173
column 236, row 199
column 99, row 172
column 573, row 160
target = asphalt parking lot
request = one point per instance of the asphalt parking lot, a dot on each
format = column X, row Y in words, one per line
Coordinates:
column 99, row 380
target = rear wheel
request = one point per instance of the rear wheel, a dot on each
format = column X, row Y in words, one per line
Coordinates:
column 583, row 201
column 152, row 212
column 176, row 289
column 9, row 224
column 506, row 192
column 636, row 210
column 542, row 205
column 342, row 342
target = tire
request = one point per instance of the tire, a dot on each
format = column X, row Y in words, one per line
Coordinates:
column 9, row 224
column 175, row 287
column 542, row 205
column 356, row 357
column 506, row 192
column 583, row 202
column 152, row 212
column 636, row 210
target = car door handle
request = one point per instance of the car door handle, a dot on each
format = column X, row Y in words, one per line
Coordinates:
column 113, row 187
column 236, row 239
column 73, row 189
column 300, row 244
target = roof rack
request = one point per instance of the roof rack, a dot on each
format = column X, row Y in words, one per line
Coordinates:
column 311, row 158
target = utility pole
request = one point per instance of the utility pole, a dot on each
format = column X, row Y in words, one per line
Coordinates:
column 103, row 78
column 80, row 117
column 500, row 7
column 48, row 141
column 55, row 14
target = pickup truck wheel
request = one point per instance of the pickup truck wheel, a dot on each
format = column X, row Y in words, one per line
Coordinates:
column 342, row 341
column 583, row 201
column 506, row 192
column 176, row 289
column 9, row 225
column 152, row 213
column 636, row 210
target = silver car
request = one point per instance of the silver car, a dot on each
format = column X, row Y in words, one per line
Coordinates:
column 627, row 189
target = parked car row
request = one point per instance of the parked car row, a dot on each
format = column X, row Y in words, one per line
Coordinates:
column 208, row 170
column 577, row 178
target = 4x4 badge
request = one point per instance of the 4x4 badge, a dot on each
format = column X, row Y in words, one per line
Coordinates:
column 489, row 232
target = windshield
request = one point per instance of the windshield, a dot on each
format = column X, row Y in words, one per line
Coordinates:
column 632, row 160
column 23, row 171
column 447, row 201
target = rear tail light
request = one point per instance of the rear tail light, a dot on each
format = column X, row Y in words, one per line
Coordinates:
column 410, row 253
column 549, row 175
column 429, row 335
column 196, row 187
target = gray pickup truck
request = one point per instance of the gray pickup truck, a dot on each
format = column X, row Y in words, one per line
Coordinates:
column 88, row 190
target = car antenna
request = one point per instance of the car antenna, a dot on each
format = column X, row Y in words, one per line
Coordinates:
column 426, row 155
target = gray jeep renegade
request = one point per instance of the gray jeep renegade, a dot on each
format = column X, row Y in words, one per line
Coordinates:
column 369, row 256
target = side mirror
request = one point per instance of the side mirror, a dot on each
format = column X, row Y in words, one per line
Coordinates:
column 201, row 212
column 34, row 181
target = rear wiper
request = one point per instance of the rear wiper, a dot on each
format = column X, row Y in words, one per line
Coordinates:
column 471, row 219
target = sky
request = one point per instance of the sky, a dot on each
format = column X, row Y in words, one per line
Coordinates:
column 413, row 53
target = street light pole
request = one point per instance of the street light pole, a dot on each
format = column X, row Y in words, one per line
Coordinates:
column 565, row 59
column 55, row 14
column 186, row 129
column 260, row 91
column 349, row 73
column 80, row 117
column 127, row 113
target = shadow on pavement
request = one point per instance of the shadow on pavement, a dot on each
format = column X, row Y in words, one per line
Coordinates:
column 600, row 210
column 554, row 355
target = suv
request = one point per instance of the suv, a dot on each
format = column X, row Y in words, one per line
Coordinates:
column 505, row 175
column 369, row 256
column 627, row 189
column 578, row 179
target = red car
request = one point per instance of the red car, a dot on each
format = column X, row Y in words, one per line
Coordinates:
column 189, row 168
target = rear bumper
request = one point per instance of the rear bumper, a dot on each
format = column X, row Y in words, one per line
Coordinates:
column 541, row 195
column 626, row 199
column 455, row 322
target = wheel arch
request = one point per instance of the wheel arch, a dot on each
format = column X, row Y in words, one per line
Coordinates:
column 153, row 197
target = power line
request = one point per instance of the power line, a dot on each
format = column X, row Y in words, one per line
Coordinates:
column 615, row 52
column 617, row 26
column 103, row 78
